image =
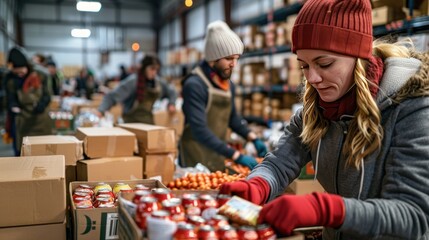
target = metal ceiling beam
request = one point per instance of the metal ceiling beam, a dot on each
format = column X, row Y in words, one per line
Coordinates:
column 66, row 22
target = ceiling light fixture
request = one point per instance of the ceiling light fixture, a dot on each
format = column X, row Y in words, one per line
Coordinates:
column 87, row 6
column 80, row 33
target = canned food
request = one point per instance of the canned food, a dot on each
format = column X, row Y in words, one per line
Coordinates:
column 207, row 201
column 84, row 188
column 218, row 220
column 85, row 195
column 105, row 191
column 162, row 194
column 227, row 232
column 82, row 203
column 265, row 232
column 102, row 200
column 102, row 186
column 145, row 207
column 119, row 186
column 161, row 214
column 174, row 206
column 247, row 232
column 139, row 194
column 126, row 191
column 185, row 231
column 222, row 199
column 196, row 220
column 140, row 187
column 207, row 232
column 191, row 204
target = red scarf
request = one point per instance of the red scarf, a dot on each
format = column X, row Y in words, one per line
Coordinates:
column 346, row 105
column 31, row 82
column 141, row 86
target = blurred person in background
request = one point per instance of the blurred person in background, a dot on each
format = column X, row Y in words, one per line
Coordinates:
column 208, row 105
column 364, row 125
column 27, row 99
column 86, row 85
column 38, row 59
column 138, row 93
column 57, row 77
column 123, row 73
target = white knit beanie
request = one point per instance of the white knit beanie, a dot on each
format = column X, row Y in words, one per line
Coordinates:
column 221, row 42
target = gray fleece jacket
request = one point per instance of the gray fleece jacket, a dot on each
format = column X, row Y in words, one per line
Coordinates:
column 126, row 92
column 389, row 197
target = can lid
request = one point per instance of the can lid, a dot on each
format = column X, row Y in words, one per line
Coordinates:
column 84, row 186
column 148, row 199
column 160, row 214
column 185, row 226
column 161, row 190
column 226, row 227
column 142, row 192
column 206, row 228
column 206, row 197
column 196, row 218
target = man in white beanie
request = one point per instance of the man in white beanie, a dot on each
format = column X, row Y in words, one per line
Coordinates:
column 208, row 105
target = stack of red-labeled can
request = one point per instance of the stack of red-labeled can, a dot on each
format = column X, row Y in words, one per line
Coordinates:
column 100, row 196
column 195, row 214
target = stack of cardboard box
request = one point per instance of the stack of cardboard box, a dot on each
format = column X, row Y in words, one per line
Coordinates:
column 68, row 146
column 157, row 146
column 109, row 155
column 33, row 204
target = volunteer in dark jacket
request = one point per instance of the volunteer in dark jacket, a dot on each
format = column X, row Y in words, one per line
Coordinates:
column 208, row 105
column 27, row 99
column 364, row 125
column 138, row 92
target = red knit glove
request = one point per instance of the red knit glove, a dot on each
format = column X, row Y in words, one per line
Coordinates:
column 256, row 190
column 291, row 211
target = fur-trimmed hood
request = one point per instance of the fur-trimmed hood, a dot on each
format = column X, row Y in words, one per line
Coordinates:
column 417, row 85
column 404, row 78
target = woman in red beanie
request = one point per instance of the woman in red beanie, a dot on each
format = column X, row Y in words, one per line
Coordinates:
column 364, row 125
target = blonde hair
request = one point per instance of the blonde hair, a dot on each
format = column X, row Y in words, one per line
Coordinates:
column 364, row 132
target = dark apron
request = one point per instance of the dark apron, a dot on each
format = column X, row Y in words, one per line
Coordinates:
column 29, row 123
column 218, row 110
column 142, row 111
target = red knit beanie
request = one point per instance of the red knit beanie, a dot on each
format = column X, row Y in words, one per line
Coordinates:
column 341, row 26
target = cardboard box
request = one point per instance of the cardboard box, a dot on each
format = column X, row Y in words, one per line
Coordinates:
column 33, row 190
column 69, row 146
column 175, row 121
column 70, row 177
column 108, row 169
column 151, row 138
column 159, row 166
column 304, row 186
column 106, row 142
column 101, row 223
column 55, row 231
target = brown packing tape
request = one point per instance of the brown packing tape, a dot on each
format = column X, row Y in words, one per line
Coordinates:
column 79, row 149
column 111, row 145
column 26, row 147
column 51, row 148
